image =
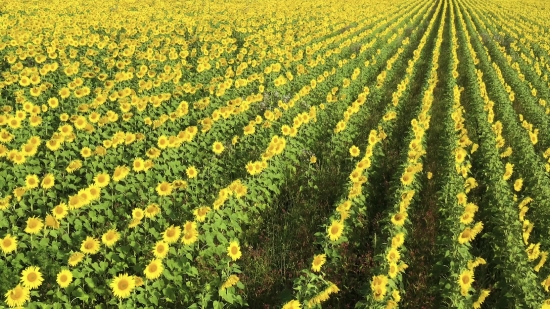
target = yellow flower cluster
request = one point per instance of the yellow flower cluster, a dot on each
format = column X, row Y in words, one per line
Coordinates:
column 323, row 296
column 231, row 281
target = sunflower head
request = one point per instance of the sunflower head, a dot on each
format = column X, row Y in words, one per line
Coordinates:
column 64, row 278
column 200, row 213
column 34, row 225
column 8, row 244
column 31, row 277
column 164, row 188
column 60, row 211
column 354, row 151
column 160, row 250
column 123, row 285
column 31, row 181
column 234, row 250
column 172, row 234
column 154, row 269
column 399, row 218
column 335, row 230
column 48, row 181
column 138, row 213
column 318, row 261
column 110, row 237
column 191, row 172
column 393, row 256
column 217, row 148
column 17, row 296
column 152, row 210
column 465, row 279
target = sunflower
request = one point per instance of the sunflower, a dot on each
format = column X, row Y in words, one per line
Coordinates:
column 179, row 184
column 241, row 191
column 470, row 233
column 34, row 225
column 14, row 123
column 138, row 165
column 31, row 181
column 134, row 223
column 73, row 166
column 293, row 304
column 391, row 304
column 19, row 192
column 53, row 144
column 518, row 184
column 217, row 148
column 24, row 81
column 484, row 293
column 172, row 234
column 467, row 217
column 147, row 165
column 251, row 168
column 462, row 199
column 231, row 281
column 399, row 218
column 51, row 222
column 393, row 256
column 154, row 269
column 164, row 188
column 94, row 192
column 8, row 244
column 123, row 285
column 465, row 280
column 378, row 286
column 393, row 270
column 191, row 172
column 533, row 251
column 160, row 250
column 86, row 152
column 200, row 213
column 397, row 240
column 190, row 237
column 31, row 277
column 153, row 153
column 318, row 261
column 475, row 263
column 152, row 210
column 90, row 245
column 60, row 211
column 76, row 258
column 110, row 237
column 102, row 180
column 84, row 197
column 509, row 169
column 407, row 178
column 64, row 278
column 137, row 214
column 234, row 250
column 335, row 230
column 543, row 258
column 162, row 142
column 313, row 159
column 48, row 181
column 354, row 151
column 17, row 296
column 396, row 296
column 120, row 173
column 460, row 155
column 138, row 280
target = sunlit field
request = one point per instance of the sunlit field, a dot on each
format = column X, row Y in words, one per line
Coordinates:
column 275, row 154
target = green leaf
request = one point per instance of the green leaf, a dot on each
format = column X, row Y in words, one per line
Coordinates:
column 90, row 282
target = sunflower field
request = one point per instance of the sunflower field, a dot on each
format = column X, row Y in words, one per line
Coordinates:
column 275, row 154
